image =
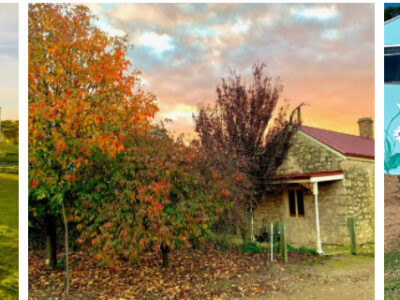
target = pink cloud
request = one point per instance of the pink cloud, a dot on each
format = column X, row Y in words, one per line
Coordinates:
column 324, row 54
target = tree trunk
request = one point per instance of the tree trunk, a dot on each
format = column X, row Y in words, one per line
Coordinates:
column 252, row 225
column 66, row 248
column 51, row 241
column 164, row 253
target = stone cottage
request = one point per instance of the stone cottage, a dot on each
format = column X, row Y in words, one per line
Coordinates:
column 326, row 178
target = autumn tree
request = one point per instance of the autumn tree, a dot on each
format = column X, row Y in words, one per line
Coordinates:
column 162, row 197
column 83, row 99
column 246, row 136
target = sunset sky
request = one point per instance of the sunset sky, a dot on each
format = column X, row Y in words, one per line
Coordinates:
column 9, row 61
column 323, row 53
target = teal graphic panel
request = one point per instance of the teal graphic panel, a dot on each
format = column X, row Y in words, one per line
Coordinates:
column 392, row 129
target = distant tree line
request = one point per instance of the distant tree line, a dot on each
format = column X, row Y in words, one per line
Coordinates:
column 391, row 12
column 9, row 130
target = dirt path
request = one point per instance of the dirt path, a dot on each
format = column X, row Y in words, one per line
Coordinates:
column 392, row 213
column 339, row 278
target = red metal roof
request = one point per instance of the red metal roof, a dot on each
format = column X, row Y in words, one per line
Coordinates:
column 308, row 175
column 347, row 144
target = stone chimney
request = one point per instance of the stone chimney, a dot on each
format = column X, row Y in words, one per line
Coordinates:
column 366, row 127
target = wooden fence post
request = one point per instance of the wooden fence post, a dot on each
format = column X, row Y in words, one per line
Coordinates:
column 271, row 242
column 283, row 242
column 352, row 229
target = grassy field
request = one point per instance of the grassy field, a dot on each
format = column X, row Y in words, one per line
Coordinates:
column 8, row 222
column 392, row 275
column 9, row 158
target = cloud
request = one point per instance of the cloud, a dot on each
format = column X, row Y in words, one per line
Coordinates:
column 104, row 25
column 158, row 43
column 330, row 34
column 324, row 53
column 320, row 13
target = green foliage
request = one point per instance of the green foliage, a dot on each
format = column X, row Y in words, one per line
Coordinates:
column 8, row 158
column 392, row 279
column 9, row 130
column 391, row 12
column 251, row 248
column 302, row 249
column 277, row 247
column 8, row 153
column 60, row 264
column 263, row 235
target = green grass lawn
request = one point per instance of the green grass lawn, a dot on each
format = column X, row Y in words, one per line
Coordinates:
column 9, row 222
column 9, row 153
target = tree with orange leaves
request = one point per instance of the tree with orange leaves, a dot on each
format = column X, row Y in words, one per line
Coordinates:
column 83, row 98
column 162, row 197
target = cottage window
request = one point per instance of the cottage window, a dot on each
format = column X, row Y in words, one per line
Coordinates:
column 296, row 203
column 392, row 64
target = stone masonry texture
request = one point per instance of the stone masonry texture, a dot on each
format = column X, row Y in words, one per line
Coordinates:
column 338, row 200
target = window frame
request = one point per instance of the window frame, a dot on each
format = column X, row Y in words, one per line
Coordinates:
column 295, row 192
column 392, row 50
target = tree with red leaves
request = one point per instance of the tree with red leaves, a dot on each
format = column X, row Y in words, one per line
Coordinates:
column 246, row 137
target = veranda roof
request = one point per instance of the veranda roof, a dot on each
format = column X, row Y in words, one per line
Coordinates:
column 311, row 176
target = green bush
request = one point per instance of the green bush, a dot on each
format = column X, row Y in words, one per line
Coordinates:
column 302, row 249
column 277, row 247
column 263, row 233
column 251, row 248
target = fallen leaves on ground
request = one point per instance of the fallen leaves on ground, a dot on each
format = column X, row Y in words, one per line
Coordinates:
column 194, row 274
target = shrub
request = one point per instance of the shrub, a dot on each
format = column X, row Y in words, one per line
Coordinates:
column 263, row 235
column 302, row 249
column 251, row 248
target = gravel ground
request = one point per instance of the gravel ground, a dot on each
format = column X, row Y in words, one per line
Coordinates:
column 392, row 213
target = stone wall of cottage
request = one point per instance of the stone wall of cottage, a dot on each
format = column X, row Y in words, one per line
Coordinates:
column 301, row 231
column 359, row 186
column 338, row 200
column 306, row 155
